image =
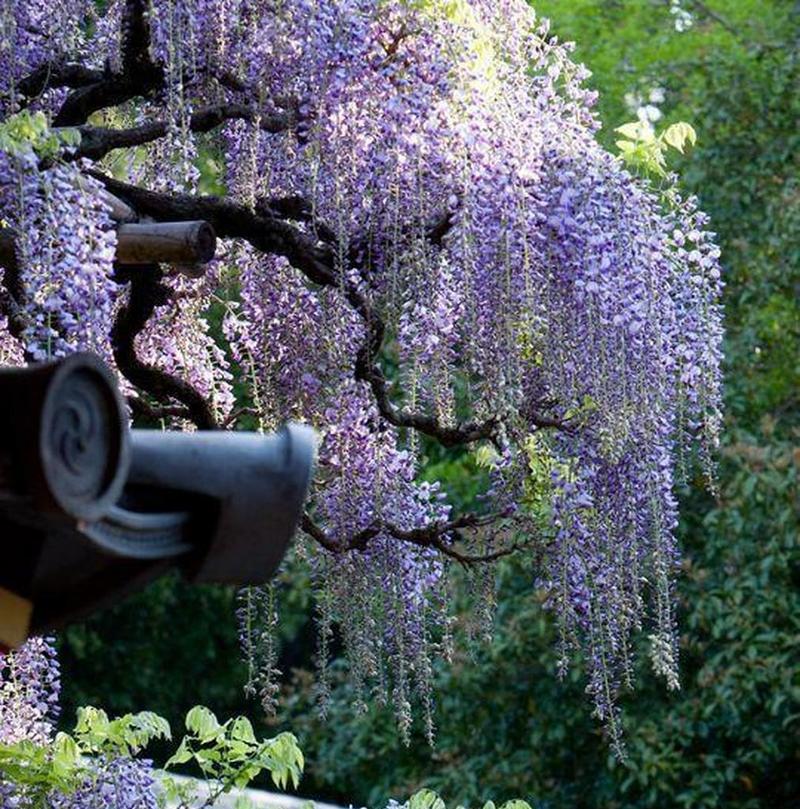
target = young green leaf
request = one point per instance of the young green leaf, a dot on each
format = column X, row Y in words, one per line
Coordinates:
column 202, row 722
column 425, row 799
column 679, row 134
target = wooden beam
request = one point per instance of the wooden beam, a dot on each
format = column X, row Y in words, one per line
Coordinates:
column 182, row 243
column 187, row 245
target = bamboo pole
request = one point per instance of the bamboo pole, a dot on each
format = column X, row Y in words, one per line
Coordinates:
column 187, row 245
column 183, row 243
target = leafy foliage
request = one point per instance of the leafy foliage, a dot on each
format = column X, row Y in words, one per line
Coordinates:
column 643, row 149
column 230, row 753
column 27, row 130
column 99, row 763
column 73, row 771
column 428, row 799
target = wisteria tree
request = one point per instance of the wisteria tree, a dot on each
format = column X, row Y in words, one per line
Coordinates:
column 422, row 243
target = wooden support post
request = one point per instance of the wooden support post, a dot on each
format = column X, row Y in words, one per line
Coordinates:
column 183, row 243
column 187, row 245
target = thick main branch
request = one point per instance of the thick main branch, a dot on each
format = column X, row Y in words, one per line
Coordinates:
column 97, row 142
column 139, row 76
column 52, row 75
column 233, row 221
column 265, row 230
column 316, row 260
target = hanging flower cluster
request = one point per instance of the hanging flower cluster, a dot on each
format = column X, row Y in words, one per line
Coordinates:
column 121, row 783
column 540, row 304
column 64, row 253
column 30, row 685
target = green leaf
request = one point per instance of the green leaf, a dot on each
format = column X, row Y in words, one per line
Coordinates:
column 202, row 722
column 425, row 799
column 208, row 756
column 181, row 755
column 242, row 729
column 679, row 134
column 92, row 727
column 486, row 456
column 66, row 754
column 636, row 131
column 69, row 137
column 148, row 726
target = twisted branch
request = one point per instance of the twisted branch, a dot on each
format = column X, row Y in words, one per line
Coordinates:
column 234, row 221
column 140, row 407
column 316, row 260
column 97, row 142
column 140, row 76
column 146, row 293
column 52, row 75
column 13, row 297
column 433, row 536
column 267, row 231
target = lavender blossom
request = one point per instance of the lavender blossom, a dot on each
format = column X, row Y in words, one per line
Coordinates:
column 446, row 157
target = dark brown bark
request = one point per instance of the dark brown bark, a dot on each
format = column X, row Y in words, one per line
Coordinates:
column 233, row 221
column 140, row 76
column 146, row 293
column 58, row 75
column 440, row 536
column 97, row 142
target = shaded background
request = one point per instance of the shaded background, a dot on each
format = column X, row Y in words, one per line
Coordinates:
column 506, row 728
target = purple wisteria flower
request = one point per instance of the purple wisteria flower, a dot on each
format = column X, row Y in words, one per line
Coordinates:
column 443, row 157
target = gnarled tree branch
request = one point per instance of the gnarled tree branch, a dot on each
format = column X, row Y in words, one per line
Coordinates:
column 97, row 142
column 234, row 221
column 146, row 293
column 265, row 230
column 139, row 76
column 156, row 413
column 53, row 75
column 438, row 535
